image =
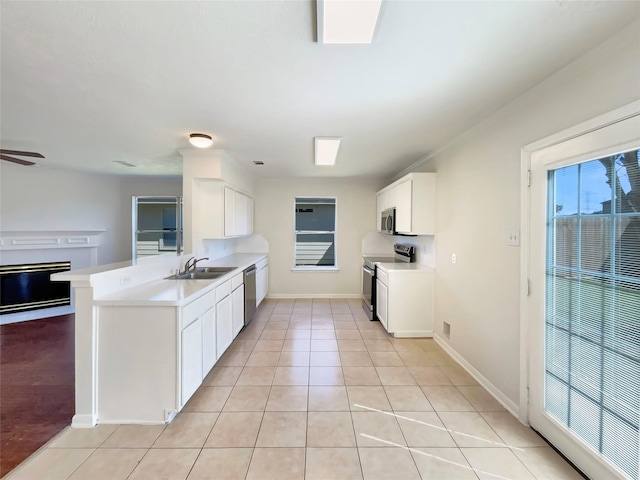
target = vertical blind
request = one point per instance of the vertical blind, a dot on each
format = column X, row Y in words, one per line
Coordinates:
column 592, row 330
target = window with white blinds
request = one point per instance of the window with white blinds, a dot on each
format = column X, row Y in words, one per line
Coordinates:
column 315, row 233
column 592, row 345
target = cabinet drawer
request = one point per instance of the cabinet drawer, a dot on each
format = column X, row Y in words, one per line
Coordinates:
column 196, row 308
column 223, row 290
column 382, row 276
column 236, row 281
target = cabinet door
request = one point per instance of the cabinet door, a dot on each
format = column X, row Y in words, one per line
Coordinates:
column 382, row 303
column 249, row 215
column 237, row 298
column 403, row 193
column 262, row 282
column 242, row 222
column 229, row 212
column 208, row 340
column 224, row 324
column 191, row 365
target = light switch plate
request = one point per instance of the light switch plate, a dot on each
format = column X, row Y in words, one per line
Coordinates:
column 513, row 239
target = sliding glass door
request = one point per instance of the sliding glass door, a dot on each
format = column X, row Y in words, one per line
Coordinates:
column 585, row 265
column 157, row 226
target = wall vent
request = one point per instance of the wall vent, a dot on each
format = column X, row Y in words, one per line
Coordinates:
column 446, row 329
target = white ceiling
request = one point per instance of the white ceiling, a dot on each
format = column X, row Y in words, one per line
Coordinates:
column 88, row 83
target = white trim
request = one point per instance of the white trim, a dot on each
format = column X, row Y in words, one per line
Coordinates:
column 84, row 421
column 413, row 334
column 48, row 239
column 315, row 295
column 525, row 201
column 500, row 397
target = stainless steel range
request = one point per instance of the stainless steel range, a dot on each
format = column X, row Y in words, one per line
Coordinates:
column 403, row 253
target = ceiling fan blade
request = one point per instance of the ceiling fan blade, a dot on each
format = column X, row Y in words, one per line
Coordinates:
column 22, row 154
column 16, row 160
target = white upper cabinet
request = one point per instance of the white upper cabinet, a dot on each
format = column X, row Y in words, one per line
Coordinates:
column 413, row 197
column 220, row 211
column 238, row 213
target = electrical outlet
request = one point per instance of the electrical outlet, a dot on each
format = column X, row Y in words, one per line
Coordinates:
column 454, row 259
column 513, row 239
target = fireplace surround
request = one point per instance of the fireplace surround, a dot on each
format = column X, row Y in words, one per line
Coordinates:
column 77, row 247
column 26, row 287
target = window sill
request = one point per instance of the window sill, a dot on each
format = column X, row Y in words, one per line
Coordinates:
column 315, row 269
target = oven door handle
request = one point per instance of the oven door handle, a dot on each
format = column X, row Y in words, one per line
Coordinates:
column 368, row 270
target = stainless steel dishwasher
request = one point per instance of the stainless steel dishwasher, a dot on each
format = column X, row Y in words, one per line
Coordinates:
column 249, row 294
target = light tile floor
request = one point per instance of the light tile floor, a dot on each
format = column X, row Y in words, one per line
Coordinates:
column 314, row 390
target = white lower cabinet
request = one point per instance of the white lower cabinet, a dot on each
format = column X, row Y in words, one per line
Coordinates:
column 381, row 303
column 262, row 280
column 191, row 364
column 152, row 359
column 237, row 299
column 404, row 301
column 224, row 324
column 209, row 347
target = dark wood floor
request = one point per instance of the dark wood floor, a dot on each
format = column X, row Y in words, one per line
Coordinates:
column 36, row 385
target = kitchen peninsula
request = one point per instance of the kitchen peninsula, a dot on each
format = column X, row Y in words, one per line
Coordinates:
column 143, row 343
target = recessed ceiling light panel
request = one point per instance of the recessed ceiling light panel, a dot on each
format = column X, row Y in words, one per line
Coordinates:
column 200, row 140
column 326, row 150
column 347, row 21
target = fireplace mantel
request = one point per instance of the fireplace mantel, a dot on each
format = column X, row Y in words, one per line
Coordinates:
column 46, row 239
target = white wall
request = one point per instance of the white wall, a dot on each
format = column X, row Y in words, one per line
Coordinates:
column 39, row 198
column 274, row 214
column 478, row 203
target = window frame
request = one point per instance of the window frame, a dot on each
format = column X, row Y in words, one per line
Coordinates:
column 316, row 268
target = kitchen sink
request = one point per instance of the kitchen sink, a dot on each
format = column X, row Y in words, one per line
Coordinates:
column 214, row 269
column 202, row 273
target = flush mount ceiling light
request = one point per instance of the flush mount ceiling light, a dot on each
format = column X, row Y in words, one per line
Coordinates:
column 200, row 140
column 347, row 21
column 327, row 150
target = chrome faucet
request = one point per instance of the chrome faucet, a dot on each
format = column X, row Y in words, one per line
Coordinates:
column 192, row 262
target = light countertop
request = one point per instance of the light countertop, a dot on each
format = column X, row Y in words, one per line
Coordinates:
column 163, row 292
column 405, row 267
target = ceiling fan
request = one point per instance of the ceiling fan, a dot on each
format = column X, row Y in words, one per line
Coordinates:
column 7, row 155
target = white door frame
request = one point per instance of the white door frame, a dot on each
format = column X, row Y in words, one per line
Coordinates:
column 592, row 125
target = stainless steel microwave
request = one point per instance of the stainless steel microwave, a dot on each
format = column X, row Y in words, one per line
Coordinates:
column 388, row 221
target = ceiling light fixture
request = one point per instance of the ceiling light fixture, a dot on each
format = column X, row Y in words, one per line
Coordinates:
column 347, row 21
column 326, row 150
column 200, row 140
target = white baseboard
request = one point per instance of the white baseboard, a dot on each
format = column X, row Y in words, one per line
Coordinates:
column 83, row 421
column 275, row 296
column 413, row 334
column 506, row 402
column 128, row 421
